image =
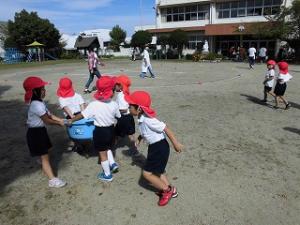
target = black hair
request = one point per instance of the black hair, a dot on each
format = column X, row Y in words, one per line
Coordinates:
column 135, row 106
column 37, row 94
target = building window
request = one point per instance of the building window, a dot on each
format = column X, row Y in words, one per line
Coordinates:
column 194, row 40
column 185, row 13
column 245, row 8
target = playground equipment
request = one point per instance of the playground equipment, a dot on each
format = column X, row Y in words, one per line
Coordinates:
column 35, row 52
column 12, row 55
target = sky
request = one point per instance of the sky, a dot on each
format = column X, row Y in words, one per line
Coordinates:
column 74, row 16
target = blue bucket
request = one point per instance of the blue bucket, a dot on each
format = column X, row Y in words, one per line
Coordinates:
column 81, row 130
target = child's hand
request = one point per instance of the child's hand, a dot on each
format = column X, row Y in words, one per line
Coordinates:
column 69, row 122
column 137, row 143
column 178, row 147
column 61, row 123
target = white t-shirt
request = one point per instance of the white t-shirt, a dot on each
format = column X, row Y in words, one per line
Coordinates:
column 151, row 129
column 73, row 103
column 262, row 52
column 35, row 111
column 104, row 113
column 270, row 74
column 284, row 77
column 120, row 99
column 252, row 52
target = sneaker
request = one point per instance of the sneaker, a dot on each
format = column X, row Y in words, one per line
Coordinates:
column 288, row 106
column 166, row 197
column 103, row 177
column 114, row 168
column 56, row 182
column 86, row 91
column 174, row 194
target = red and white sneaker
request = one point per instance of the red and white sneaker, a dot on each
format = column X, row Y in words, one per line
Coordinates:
column 174, row 194
column 166, row 196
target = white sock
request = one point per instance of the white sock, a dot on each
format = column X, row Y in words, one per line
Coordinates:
column 105, row 167
column 110, row 157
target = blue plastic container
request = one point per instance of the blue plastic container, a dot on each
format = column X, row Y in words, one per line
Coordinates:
column 81, row 130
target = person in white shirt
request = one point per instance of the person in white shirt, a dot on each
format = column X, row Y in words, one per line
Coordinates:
column 251, row 55
column 71, row 102
column 146, row 64
column 38, row 140
column 104, row 111
column 281, row 85
column 269, row 79
column 154, row 132
column 125, row 125
column 262, row 54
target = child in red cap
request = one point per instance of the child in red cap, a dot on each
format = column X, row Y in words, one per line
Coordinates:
column 281, row 85
column 104, row 111
column 71, row 102
column 154, row 132
column 125, row 125
column 38, row 115
column 269, row 79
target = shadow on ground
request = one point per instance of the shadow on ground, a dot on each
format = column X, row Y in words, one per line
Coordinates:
column 291, row 129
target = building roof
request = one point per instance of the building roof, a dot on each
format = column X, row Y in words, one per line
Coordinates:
column 86, row 42
column 102, row 34
column 168, row 30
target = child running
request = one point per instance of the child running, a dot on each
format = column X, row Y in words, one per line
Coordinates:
column 281, row 85
column 269, row 80
column 125, row 125
column 104, row 111
column 154, row 132
column 38, row 140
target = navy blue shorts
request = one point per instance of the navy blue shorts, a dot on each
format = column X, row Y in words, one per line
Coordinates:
column 280, row 89
column 103, row 138
column 38, row 141
column 125, row 126
column 157, row 158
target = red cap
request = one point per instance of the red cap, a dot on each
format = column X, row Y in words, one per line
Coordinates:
column 143, row 100
column 271, row 62
column 283, row 67
column 105, row 86
column 65, row 88
column 125, row 82
column 31, row 83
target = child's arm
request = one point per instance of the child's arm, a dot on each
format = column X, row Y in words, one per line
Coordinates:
column 75, row 118
column 68, row 111
column 177, row 145
column 138, row 140
column 52, row 120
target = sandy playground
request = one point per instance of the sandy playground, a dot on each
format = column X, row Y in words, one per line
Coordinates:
column 241, row 164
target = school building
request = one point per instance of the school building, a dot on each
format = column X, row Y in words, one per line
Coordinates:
column 223, row 23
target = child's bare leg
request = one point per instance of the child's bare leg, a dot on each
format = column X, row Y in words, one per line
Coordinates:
column 164, row 178
column 46, row 167
column 284, row 101
column 155, row 181
column 276, row 101
column 271, row 93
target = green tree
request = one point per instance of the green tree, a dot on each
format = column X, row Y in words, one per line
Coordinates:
column 178, row 39
column 163, row 41
column 28, row 27
column 118, row 36
column 141, row 38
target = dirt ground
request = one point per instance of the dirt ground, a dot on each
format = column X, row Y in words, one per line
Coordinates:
column 240, row 165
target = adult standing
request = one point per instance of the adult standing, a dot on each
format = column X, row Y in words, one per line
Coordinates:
column 93, row 62
column 146, row 64
column 262, row 54
column 251, row 55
